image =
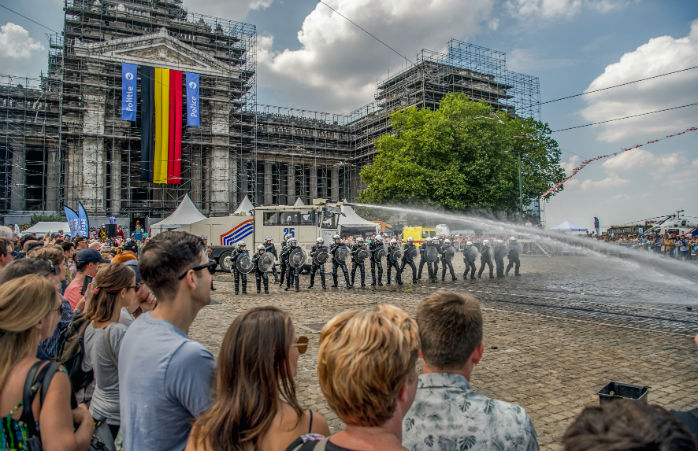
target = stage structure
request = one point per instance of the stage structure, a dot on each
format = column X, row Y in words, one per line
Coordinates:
column 62, row 139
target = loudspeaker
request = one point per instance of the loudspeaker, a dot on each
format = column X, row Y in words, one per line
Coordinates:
column 111, row 230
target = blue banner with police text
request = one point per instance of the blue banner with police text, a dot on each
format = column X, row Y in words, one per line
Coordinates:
column 192, row 81
column 84, row 222
column 129, row 74
column 73, row 221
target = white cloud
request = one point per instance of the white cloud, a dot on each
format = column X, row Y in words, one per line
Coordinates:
column 632, row 159
column 549, row 9
column 659, row 167
column 658, row 56
column 608, row 182
column 570, row 164
column 227, row 9
column 337, row 65
column 16, row 44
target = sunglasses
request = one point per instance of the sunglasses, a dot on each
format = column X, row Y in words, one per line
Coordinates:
column 302, row 344
column 211, row 266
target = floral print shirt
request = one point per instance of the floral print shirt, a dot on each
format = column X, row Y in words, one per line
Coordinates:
column 449, row 415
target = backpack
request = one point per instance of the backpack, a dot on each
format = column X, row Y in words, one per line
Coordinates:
column 71, row 352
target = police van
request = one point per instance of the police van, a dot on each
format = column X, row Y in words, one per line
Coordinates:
column 419, row 234
column 305, row 223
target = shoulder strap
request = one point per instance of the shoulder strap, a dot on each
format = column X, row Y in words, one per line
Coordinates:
column 321, row 445
column 28, row 394
column 51, row 369
column 107, row 347
column 310, row 427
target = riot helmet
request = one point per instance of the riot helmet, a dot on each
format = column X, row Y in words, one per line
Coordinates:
column 336, row 237
column 360, row 239
column 293, row 241
column 469, row 243
column 485, row 242
column 320, row 240
column 379, row 237
column 428, row 240
column 410, row 239
column 513, row 238
column 267, row 239
column 261, row 247
column 447, row 241
column 393, row 242
column 241, row 244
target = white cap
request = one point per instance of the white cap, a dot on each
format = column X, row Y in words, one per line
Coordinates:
column 267, row 238
column 320, row 240
column 379, row 237
column 393, row 241
column 336, row 237
column 469, row 243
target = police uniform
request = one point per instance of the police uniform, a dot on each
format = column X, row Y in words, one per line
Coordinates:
column 499, row 251
column 237, row 274
column 485, row 259
column 356, row 262
column 446, row 257
column 338, row 263
column 259, row 275
column 393, row 263
column 469, row 257
column 376, row 263
column 292, row 274
column 269, row 248
column 315, row 266
column 513, row 256
column 408, row 254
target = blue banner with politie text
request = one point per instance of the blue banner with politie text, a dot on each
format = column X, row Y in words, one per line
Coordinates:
column 129, row 74
column 73, row 221
column 192, row 80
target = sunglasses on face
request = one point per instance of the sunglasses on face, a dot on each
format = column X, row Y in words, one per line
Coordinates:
column 302, row 344
column 211, row 266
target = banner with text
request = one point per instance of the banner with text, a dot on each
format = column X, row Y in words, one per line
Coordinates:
column 192, row 81
column 129, row 74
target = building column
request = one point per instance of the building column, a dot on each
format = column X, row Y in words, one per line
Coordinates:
column 291, row 198
column 18, row 193
column 93, row 185
column 335, row 183
column 268, row 198
column 52, row 169
column 233, row 182
column 313, row 182
column 219, row 167
column 115, row 181
column 242, row 172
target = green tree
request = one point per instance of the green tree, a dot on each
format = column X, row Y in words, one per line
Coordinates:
column 463, row 155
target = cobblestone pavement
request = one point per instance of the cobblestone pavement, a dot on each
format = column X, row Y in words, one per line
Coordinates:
column 548, row 350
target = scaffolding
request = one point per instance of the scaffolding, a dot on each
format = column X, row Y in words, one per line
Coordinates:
column 63, row 139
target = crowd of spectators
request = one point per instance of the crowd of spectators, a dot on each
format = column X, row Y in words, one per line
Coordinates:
column 153, row 387
column 679, row 246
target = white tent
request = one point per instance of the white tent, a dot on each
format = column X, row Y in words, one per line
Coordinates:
column 42, row 228
column 245, row 207
column 350, row 223
column 568, row 227
column 185, row 214
column 299, row 203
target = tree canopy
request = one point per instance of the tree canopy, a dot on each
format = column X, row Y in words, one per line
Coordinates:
column 463, row 155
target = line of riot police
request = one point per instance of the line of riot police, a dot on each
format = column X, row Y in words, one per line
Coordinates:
column 434, row 251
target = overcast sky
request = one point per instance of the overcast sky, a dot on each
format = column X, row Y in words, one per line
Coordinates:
column 310, row 57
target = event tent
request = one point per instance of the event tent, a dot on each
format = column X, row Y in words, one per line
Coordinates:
column 298, row 203
column 568, row 227
column 185, row 214
column 245, row 207
column 350, row 223
column 42, row 228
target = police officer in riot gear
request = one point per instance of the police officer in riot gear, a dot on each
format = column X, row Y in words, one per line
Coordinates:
column 422, row 258
column 447, row 253
column 260, row 275
column 485, row 258
column 316, row 249
column 292, row 274
column 283, row 259
column 357, row 262
column 237, row 274
column 436, row 242
column 269, row 248
column 376, row 263
column 469, row 257
column 499, row 252
column 408, row 254
column 392, row 260
column 337, row 263
column 513, row 256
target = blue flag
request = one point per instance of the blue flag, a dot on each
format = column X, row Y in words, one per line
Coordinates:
column 73, row 221
column 192, row 81
column 83, row 221
column 129, row 73
column 596, row 225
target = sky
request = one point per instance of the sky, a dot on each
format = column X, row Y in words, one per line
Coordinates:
column 310, row 57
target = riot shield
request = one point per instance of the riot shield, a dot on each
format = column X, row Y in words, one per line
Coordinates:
column 321, row 256
column 362, row 254
column 341, row 254
column 244, row 264
column 296, row 259
column 431, row 254
column 265, row 262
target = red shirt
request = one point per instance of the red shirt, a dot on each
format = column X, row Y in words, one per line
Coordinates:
column 72, row 293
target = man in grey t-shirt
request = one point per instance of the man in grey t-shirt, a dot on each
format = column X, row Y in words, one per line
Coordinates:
column 165, row 378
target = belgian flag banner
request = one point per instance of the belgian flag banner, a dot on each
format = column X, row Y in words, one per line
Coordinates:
column 161, row 125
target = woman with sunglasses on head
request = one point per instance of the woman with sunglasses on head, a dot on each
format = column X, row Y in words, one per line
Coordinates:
column 34, row 394
column 255, row 405
column 114, row 288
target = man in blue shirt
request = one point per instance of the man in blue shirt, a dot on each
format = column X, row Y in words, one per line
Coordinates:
column 164, row 377
column 447, row 413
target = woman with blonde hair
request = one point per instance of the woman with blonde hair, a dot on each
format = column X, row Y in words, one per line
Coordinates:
column 114, row 288
column 367, row 372
column 255, row 403
column 29, row 311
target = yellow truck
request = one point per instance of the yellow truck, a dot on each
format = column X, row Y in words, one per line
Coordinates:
column 418, row 234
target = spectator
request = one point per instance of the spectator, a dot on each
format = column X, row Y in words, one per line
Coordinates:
column 260, row 345
column 145, row 300
column 29, row 311
column 57, row 259
column 114, row 288
column 6, row 252
column 86, row 262
column 6, row 232
column 166, row 384
column 447, row 413
column 29, row 245
column 366, row 370
column 625, row 424
column 80, row 243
